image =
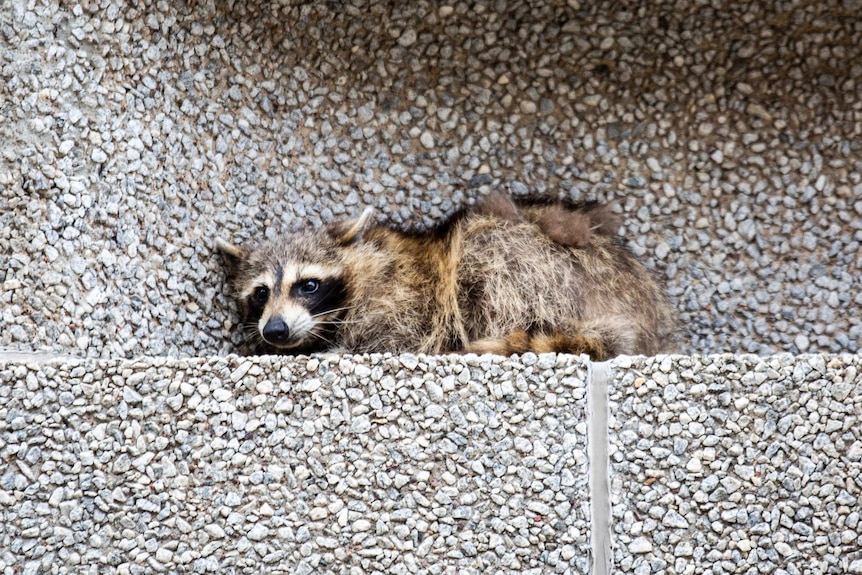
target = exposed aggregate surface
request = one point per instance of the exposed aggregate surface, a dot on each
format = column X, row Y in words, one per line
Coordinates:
column 133, row 134
column 364, row 464
column 737, row 464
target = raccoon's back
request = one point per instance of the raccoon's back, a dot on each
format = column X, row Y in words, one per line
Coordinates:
column 511, row 276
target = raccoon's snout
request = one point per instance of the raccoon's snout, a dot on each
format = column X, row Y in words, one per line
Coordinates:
column 276, row 331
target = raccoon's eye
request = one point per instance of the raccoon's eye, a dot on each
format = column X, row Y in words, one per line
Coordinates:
column 309, row 287
column 260, row 295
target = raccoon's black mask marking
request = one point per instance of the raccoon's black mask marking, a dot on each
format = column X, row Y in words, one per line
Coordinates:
column 255, row 304
column 330, row 295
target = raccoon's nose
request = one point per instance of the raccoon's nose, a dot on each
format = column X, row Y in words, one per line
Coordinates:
column 276, row 331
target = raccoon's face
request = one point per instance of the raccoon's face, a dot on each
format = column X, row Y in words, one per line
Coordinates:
column 294, row 306
column 293, row 293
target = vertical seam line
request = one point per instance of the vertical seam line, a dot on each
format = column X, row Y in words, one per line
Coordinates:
column 599, row 375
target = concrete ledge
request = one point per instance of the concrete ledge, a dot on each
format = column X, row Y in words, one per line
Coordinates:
column 412, row 464
column 374, row 464
column 738, row 463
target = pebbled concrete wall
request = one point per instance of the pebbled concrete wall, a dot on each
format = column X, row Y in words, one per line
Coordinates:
column 134, row 133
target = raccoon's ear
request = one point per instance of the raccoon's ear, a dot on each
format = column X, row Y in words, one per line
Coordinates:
column 349, row 231
column 233, row 255
column 500, row 206
column 603, row 220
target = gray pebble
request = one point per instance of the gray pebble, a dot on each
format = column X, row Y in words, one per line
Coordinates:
column 407, row 38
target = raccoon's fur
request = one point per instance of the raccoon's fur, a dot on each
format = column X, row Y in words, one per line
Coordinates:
column 497, row 278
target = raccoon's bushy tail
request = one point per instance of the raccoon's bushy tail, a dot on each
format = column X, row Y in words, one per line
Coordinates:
column 601, row 339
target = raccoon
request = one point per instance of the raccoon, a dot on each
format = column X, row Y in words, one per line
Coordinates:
column 499, row 277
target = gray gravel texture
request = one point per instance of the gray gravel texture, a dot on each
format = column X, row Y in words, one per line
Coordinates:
column 737, row 464
column 134, row 133
column 362, row 464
